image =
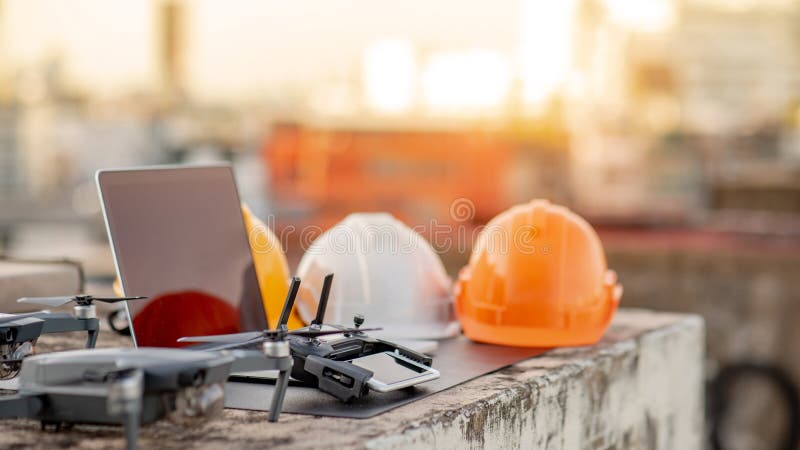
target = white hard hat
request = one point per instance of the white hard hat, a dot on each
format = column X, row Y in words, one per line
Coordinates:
column 383, row 270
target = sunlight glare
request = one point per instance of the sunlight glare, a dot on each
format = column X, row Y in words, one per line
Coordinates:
column 471, row 79
column 545, row 50
column 389, row 75
column 642, row 15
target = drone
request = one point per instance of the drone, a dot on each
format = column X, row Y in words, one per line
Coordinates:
column 127, row 386
column 134, row 386
column 282, row 337
column 326, row 356
column 19, row 332
column 274, row 344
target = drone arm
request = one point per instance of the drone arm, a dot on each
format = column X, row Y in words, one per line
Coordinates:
column 294, row 287
column 323, row 300
column 61, row 322
column 20, row 406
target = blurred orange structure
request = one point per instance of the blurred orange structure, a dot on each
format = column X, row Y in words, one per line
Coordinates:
column 415, row 175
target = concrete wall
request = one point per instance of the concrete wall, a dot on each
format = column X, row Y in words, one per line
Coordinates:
column 750, row 299
column 628, row 392
column 641, row 387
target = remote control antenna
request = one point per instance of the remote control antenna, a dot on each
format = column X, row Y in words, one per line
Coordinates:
column 323, row 300
column 289, row 303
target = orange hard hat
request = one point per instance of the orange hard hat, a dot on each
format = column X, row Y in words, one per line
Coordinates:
column 537, row 277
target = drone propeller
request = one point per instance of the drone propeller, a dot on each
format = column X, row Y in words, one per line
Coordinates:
column 239, row 339
column 252, row 337
column 315, row 333
column 79, row 299
column 234, row 338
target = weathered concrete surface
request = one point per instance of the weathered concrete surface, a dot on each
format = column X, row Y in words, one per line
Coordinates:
column 640, row 387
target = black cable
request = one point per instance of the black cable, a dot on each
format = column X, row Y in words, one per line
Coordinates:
column 720, row 393
column 117, row 316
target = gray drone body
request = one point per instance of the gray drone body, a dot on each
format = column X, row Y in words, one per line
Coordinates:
column 81, row 386
column 137, row 386
column 134, row 386
column 19, row 332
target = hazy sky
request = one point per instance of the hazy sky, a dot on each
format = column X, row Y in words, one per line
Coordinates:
column 109, row 43
column 235, row 47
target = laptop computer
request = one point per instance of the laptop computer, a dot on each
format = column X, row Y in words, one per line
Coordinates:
column 178, row 237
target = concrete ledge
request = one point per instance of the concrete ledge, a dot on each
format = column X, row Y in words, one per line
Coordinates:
column 640, row 387
column 36, row 279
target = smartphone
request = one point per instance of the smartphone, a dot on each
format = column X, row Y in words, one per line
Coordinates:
column 393, row 371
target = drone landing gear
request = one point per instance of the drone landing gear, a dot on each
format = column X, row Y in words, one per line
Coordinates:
column 281, row 384
column 91, row 338
column 125, row 401
column 274, row 356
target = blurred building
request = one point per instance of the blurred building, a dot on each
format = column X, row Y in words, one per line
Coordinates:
column 686, row 107
column 657, row 111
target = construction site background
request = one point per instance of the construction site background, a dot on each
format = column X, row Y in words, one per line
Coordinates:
column 673, row 126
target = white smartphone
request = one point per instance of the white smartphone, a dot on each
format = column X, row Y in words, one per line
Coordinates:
column 393, row 371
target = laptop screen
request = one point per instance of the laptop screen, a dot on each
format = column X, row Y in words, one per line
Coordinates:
column 179, row 238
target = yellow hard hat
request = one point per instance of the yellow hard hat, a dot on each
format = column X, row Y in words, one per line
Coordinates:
column 272, row 270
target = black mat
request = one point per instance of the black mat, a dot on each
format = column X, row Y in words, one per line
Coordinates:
column 458, row 360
